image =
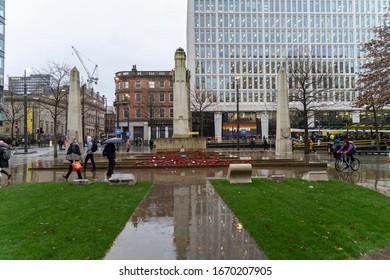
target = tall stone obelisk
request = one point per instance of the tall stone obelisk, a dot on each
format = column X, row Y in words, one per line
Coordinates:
column 74, row 132
column 181, row 140
column 283, row 127
column 181, row 98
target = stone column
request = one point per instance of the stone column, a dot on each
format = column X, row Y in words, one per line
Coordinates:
column 283, row 128
column 218, row 126
column 74, row 132
column 264, row 125
column 181, row 105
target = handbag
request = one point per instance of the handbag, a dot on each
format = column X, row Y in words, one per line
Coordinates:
column 76, row 165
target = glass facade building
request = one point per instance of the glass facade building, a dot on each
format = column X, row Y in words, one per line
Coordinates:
column 2, row 40
column 244, row 43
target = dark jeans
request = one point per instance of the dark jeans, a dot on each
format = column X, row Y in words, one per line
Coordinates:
column 111, row 164
column 89, row 157
column 70, row 171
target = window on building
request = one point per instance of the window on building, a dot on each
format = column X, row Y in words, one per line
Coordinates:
column 171, row 97
column 138, row 97
column 125, row 84
column 138, row 113
column 162, row 97
column 171, row 112
column 161, row 84
column 162, row 113
column 151, row 84
column 138, row 84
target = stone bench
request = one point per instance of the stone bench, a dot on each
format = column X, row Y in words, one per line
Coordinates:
column 80, row 182
column 313, row 176
column 239, row 173
column 122, row 179
column 277, row 177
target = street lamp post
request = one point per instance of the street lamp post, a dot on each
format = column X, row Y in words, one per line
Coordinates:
column 25, row 113
column 39, row 121
column 238, row 115
column 128, row 114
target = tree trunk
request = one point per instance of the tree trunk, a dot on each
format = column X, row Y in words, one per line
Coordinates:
column 201, row 123
column 377, row 138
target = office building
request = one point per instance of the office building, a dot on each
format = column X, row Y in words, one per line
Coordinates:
column 236, row 47
column 2, row 43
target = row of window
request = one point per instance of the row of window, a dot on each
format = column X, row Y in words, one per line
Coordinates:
column 282, row 21
column 274, row 51
column 151, row 84
column 160, row 112
column 288, row 6
column 151, row 97
column 270, row 96
column 262, row 83
column 283, row 36
column 268, row 67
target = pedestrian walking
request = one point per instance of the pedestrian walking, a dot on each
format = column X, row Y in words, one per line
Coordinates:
column 253, row 143
column 312, row 148
column 128, row 145
column 91, row 148
column 109, row 152
column 73, row 155
column 151, row 142
column 4, row 158
column 265, row 143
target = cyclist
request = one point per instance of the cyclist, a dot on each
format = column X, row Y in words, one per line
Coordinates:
column 349, row 149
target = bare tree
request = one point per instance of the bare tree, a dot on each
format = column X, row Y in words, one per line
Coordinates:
column 200, row 101
column 309, row 80
column 57, row 98
column 14, row 111
column 374, row 80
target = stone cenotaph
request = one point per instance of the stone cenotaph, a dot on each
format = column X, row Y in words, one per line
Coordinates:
column 283, row 127
column 181, row 140
column 74, row 132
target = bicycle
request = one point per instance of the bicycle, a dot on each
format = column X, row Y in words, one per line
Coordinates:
column 343, row 162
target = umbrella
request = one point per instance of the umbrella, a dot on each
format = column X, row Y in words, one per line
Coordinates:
column 114, row 140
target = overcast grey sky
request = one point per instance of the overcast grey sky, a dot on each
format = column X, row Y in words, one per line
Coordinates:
column 114, row 34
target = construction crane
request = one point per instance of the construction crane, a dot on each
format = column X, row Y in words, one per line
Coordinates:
column 91, row 78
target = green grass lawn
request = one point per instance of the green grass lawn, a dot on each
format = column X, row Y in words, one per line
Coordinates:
column 299, row 220
column 62, row 221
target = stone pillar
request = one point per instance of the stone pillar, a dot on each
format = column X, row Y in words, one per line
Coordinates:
column 283, row 128
column 264, row 125
column 74, row 132
column 181, row 105
column 218, row 126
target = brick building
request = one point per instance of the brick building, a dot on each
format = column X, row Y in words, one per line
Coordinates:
column 144, row 103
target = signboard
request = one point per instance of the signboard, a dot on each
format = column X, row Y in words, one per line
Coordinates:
column 118, row 131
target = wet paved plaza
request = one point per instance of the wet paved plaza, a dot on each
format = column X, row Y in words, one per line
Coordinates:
column 182, row 217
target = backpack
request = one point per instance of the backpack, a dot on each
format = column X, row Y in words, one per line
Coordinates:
column 73, row 148
column 94, row 146
column 5, row 153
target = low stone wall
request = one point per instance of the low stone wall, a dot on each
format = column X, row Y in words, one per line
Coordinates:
column 180, row 144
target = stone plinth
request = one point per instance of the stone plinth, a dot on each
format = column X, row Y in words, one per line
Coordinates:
column 313, row 176
column 180, row 144
column 80, row 182
column 122, row 179
column 239, row 173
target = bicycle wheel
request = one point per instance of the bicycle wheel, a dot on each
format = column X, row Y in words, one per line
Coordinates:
column 340, row 165
column 355, row 164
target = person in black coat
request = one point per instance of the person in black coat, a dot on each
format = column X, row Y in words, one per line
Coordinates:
column 73, row 154
column 109, row 152
column 4, row 162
